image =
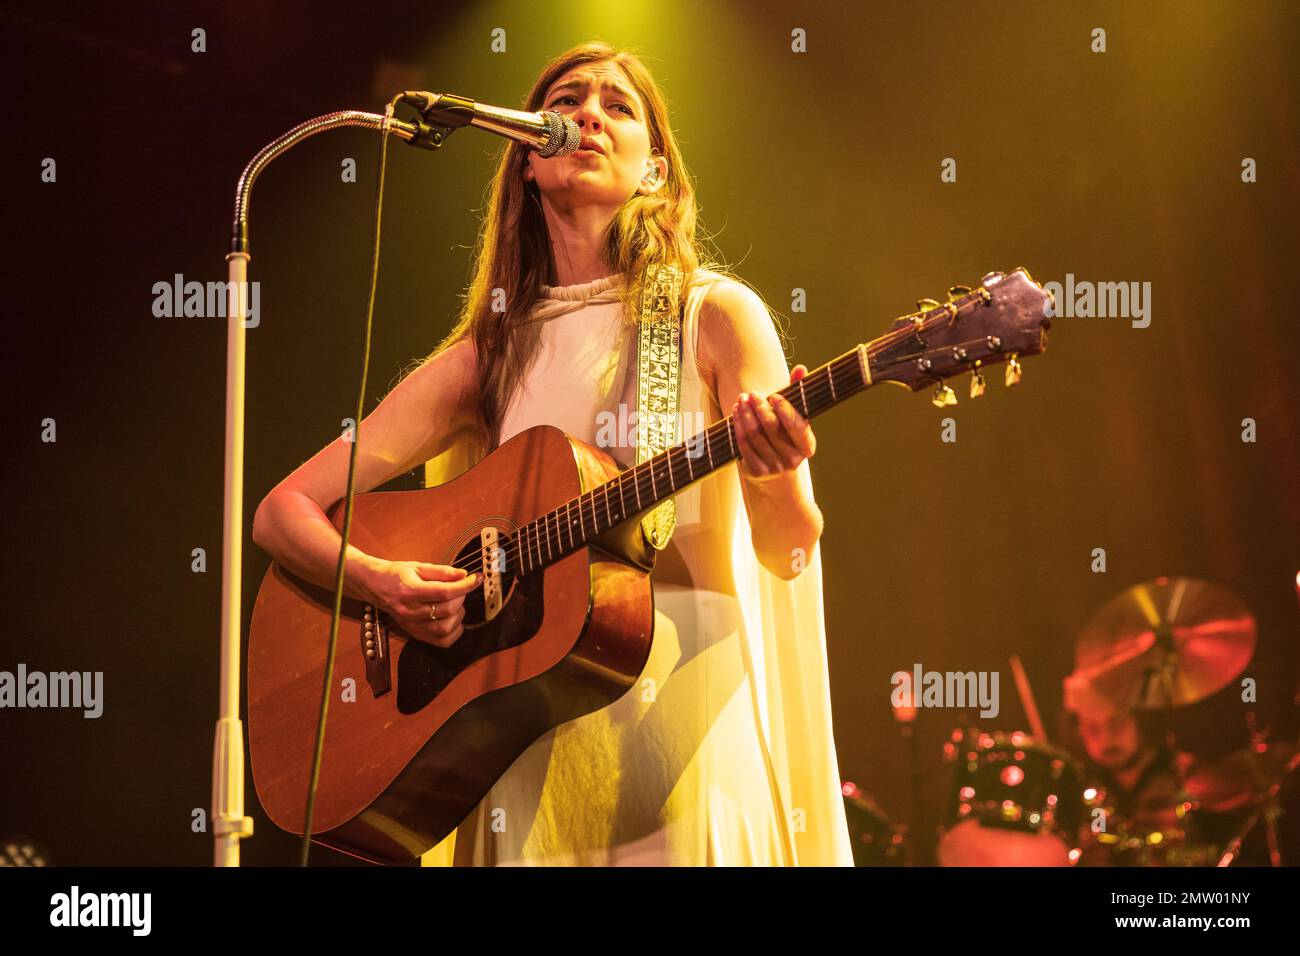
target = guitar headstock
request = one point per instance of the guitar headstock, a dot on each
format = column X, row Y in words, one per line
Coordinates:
column 1001, row 320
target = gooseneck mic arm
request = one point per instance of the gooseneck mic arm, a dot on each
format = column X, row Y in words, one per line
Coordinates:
column 244, row 189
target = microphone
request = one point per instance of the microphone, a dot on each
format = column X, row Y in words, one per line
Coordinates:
column 550, row 134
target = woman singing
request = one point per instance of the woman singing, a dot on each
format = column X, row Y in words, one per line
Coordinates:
column 722, row 752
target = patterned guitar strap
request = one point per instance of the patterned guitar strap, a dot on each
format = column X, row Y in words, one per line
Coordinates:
column 659, row 385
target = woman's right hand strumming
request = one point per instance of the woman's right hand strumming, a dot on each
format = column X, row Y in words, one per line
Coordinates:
column 406, row 590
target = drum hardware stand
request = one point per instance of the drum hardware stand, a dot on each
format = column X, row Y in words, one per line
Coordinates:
column 918, row 808
column 906, row 720
column 1270, row 810
column 1156, row 693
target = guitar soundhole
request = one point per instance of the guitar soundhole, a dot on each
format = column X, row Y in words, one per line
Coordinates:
column 424, row 670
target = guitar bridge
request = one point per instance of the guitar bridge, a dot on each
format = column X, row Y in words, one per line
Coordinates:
column 374, row 647
column 492, row 562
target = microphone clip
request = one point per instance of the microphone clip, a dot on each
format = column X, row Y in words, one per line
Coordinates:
column 429, row 136
column 451, row 112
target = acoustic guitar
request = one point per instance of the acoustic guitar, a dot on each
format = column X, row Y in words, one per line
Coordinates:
column 562, row 623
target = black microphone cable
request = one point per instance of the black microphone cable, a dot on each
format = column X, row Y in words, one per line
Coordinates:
column 351, row 487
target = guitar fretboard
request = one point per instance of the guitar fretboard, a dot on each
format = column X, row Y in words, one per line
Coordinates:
column 638, row 489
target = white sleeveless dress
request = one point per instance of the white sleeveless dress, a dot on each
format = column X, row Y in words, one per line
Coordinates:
column 722, row 752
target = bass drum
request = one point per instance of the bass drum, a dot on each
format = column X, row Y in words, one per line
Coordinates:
column 1016, row 801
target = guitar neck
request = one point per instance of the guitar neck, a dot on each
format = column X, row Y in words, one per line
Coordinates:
column 640, row 488
column 1004, row 318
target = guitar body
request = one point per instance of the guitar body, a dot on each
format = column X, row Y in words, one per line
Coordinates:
column 421, row 733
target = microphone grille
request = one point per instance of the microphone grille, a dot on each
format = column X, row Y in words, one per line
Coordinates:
column 562, row 136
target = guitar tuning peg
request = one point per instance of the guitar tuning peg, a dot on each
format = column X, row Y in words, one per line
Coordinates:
column 1014, row 371
column 925, row 305
column 957, row 291
column 943, row 395
column 977, row 383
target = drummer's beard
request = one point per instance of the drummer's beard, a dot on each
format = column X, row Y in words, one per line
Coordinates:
column 1135, row 758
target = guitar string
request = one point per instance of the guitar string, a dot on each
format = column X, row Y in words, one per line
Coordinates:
column 819, row 387
column 589, row 503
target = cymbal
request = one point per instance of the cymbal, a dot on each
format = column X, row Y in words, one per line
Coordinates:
column 1167, row 642
column 1242, row 778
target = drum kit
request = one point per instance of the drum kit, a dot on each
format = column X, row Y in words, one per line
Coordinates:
column 1157, row 649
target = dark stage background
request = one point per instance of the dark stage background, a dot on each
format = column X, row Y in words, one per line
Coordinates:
column 817, row 171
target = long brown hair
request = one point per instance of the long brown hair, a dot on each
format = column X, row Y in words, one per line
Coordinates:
column 513, row 257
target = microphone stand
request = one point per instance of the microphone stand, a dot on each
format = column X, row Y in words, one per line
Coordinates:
column 229, row 824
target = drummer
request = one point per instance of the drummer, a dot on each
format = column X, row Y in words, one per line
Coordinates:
column 1136, row 771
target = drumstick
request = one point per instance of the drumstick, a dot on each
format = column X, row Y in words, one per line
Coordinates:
column 1027, row 698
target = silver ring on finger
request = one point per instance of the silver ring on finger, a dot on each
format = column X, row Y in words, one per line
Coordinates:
column 433, row 616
